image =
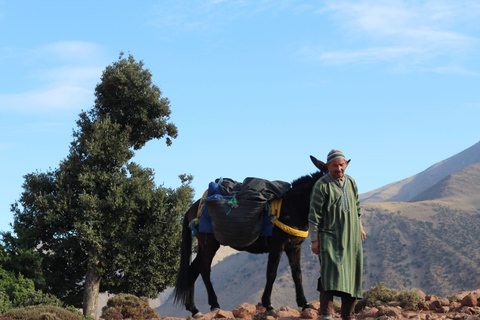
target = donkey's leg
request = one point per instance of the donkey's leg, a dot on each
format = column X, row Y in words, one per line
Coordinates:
column 210, row 247
column 294, row 258
column 194, row 272
column 272, row 266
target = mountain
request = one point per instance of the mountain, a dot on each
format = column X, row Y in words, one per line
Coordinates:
column 461, row 188
column 407, row 189
column 422, row 232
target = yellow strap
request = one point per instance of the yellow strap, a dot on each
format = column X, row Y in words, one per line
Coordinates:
column 275, row 206
column 201, row 204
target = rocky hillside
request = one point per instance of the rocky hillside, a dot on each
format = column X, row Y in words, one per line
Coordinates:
column 428, row 240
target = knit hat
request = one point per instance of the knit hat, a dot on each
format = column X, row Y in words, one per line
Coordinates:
column 334, row 154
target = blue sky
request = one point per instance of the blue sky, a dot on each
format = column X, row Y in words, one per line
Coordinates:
column 255, row 86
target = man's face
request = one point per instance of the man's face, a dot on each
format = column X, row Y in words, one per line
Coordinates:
column 337, row 168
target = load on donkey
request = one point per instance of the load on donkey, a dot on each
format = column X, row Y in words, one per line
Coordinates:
column 233, row 214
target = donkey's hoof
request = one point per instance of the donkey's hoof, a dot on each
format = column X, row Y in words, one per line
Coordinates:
column 215, row 309
column 270, row 311
column 197, row 315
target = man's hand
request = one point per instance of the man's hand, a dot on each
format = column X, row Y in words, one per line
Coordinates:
column 364, row 234
column 315, row 247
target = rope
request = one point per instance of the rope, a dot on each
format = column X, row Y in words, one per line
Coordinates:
column 275, row 206
column 233, row 203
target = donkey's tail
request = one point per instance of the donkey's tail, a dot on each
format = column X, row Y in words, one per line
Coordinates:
column 182, row 285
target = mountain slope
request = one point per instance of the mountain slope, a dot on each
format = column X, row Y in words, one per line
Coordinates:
column 407, row 189
column 461, row 188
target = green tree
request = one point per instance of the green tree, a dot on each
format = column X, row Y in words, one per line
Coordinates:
column 99, row 222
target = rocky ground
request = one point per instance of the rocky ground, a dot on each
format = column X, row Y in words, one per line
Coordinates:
column 432, row 308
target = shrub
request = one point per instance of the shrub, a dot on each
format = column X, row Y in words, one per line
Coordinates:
column 378, row 295
column 128, row 306
column 38, row 297
column 5, row 303
column 42, row 312
column 410, row 298
column 17, row 288
column 117, row 316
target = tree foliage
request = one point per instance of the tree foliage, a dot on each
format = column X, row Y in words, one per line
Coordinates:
column 99, row 219
column 126, row 94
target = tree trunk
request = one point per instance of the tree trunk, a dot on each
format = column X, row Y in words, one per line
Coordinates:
column 91, row 291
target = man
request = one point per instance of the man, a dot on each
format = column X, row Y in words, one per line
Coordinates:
column 337, row 234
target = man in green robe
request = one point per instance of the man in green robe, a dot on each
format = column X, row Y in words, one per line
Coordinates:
column 337, row 234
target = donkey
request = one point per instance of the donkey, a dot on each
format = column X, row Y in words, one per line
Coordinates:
column 294, row 214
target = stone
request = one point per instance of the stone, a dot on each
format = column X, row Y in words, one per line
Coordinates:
column 315, row 305
column 245, row 311
column 221, row 314
column 431, row 297
column 470, row 300
column 287, row 312
column 388, row 311
column 434, row 304
column 260, row 308
column 443, row 309
column 309, row 313
column 208, row 316
column 369, row 313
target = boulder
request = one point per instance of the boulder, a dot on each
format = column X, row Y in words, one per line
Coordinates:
column 287, row 312
column 245, row 311
column 221, row 314
column 470, row 300
column 309, row 313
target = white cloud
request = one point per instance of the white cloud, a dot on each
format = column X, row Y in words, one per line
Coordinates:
column 73, row 51
column 455, row 70
column 368, row 55
column 85, row 76
column 55, row 99
column 385, row 30
column 62, row 76
column 199, row 15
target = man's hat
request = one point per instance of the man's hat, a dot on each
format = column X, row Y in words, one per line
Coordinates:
column 334, row 154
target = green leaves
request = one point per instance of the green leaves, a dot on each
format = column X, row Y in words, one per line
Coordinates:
column 127, row 95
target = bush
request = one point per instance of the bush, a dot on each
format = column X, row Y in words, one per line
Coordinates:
column 128, row 306
column 378, row 295
column 38, row 297
column 452, row 298
column 42, row 312
column 18, row 292
column 410, row 298
column 17, row 288
column 5, row 303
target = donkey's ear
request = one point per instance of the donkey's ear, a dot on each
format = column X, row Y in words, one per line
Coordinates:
column 319, row 164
